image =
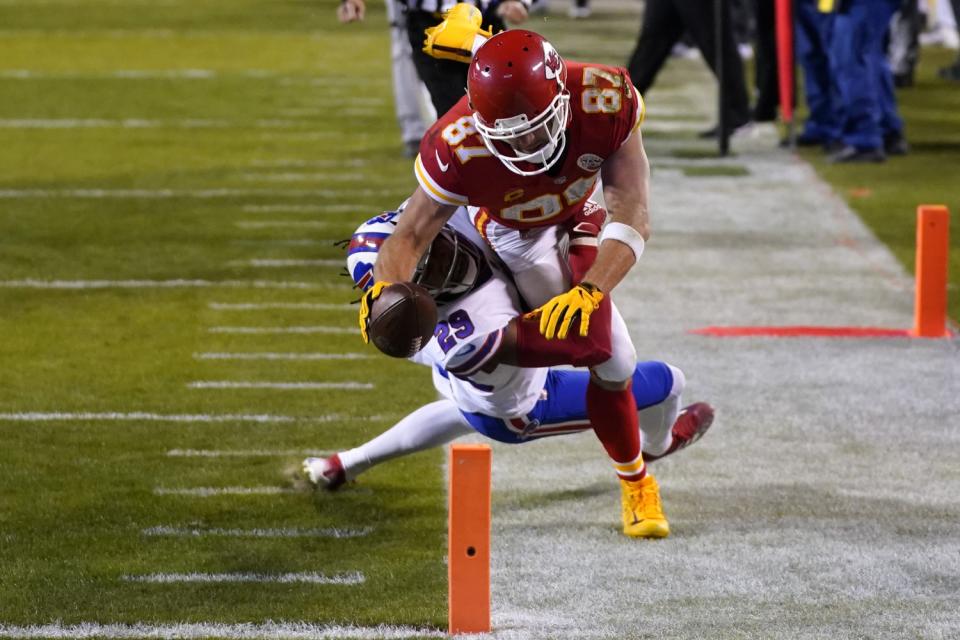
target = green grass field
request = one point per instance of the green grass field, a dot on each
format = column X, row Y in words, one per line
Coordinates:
column 152, row 154
column 120, row 165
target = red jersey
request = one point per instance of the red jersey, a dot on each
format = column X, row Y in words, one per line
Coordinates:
column 456, row 168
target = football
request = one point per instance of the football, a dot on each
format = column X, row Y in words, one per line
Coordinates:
column 402, row 319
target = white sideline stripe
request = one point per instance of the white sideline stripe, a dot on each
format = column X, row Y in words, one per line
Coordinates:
column 209, row 492
column 282, row 578
column 191, row 193
column 279, row 330
column 255, row 306
column 300, row 177
column 246, row 453
column 305, row 208
column 228, row 384
column 36, row 416
column 158, row 284
column 200, row 630
column 136, row 123
column 276, row 262
column 281, row 356
column 257, row 533
column 254, row 224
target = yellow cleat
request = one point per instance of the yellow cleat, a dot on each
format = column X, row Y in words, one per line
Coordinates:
column 642, row 511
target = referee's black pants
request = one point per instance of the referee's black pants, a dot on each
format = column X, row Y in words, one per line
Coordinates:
column 446, row 80
column 664, row 22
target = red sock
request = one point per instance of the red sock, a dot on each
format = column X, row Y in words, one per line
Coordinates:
column 613, row 415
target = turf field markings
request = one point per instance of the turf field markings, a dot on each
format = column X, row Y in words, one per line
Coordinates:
column 136, row 123
column 301, row 242
column 257, row 306
column 285, row 208
column 194, row 532
column 56, row 416
column 281, row 263
column 312, row 577
column 293, row 163
column 281, row 356
column 245, row 453
column 281, row 330
column 282, row 224
column 281, row 386
column 291, row 176
column 202, row 630
column 213, row 492
column 165, row 284
column 102, row 194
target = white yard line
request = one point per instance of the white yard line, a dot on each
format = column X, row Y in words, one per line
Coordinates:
column 282, row 330
column 56, row 416
column 212, row 492
column 194, row 532
column 281, row 578
column 281, row 356
column 280, row 224
column 161, row 284
column 257, row 306
column 296, row 163
column 200, row 630
column 302, row 176
column 134, row 74
column 246, row 453
column 287, row 262
column 306, row 208
column 138, row 123
column 99, row 194
column 282, row 386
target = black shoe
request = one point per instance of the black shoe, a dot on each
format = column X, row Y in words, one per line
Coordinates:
column 951, row 73
column 895, row 144
column 803, row 140
column 903, row 80
column 411, row 148
column 833, row 146
column 714, row 131
column 852, row 154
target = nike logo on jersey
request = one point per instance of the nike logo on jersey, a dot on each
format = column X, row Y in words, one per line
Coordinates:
column 443, row 167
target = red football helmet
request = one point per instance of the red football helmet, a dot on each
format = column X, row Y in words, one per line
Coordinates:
column 521, row 106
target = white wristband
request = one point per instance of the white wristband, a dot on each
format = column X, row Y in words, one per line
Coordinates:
column 626, row 234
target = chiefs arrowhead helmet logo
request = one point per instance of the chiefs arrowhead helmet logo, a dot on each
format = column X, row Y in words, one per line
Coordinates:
column 552, row 65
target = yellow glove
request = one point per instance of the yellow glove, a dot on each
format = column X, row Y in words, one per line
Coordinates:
column 453, row 39
column 366, row 303
column 561, row 310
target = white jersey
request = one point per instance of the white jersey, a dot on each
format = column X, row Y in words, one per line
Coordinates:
column 469, row 332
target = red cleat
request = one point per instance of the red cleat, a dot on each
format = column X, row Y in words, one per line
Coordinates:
column 691, row 424
column 326, row 473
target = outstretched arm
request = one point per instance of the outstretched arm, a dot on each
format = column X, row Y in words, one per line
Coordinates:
column 420, row 223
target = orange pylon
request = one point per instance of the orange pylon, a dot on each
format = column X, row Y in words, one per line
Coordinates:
column 933, row 252
column 468, row 550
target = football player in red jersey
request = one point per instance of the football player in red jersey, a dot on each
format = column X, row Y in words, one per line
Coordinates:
column 528, row 145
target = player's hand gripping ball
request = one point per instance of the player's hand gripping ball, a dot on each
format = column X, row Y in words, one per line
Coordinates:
column 402, row 319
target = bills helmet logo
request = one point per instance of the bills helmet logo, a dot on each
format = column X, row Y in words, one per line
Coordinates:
column 552, row 65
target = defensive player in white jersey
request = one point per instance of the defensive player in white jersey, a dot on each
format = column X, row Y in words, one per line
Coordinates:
column 473, row 357
column 527, row 146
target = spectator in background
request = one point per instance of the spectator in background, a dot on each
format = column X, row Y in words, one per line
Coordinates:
column 871, row 128
column 408, row 91
column 579, row 9
column 952, row 72
column 904, row 47
column 765, row 62
column 664, row 22
column 445, row 80
column 813, row 31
